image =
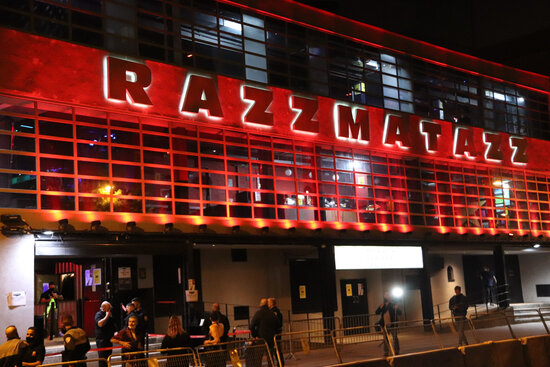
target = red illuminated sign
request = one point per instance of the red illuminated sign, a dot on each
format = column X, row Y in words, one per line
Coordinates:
column 95, row 79
column 201, row 93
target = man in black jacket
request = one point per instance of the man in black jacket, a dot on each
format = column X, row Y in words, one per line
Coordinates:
column 272, row 304
column 264, row 324
column 458, row 304
column 389, row 313
column 105, row 328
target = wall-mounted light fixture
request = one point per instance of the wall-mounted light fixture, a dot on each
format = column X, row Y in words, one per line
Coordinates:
column 168, row 227
column 62, row 225
column 95, row 225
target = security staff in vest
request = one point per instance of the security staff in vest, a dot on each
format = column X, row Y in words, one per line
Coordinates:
column 50, row 299
column 75, row 341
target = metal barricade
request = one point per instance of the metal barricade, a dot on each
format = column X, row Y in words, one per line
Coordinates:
column 412, row 336
column 249, row 353
column 527, row 322
column 301, row 347
column 358, row 320
column 241, row 332
column 319, row 323
column 492, row 326
column 447, row 329
column 358, row 342
column 178, row 357
column 83, row 363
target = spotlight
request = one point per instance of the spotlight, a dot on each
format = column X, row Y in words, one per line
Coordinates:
column 536, row 245
column 95, row 225
column 62, row 225
column 397, row 292
column 168, row 227
column 131, row 226
column 14, row 225
column 265, row 230
column 48, row 233
column 235, row 229
column 202, row 228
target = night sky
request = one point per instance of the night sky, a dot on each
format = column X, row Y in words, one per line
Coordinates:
column 512, row 33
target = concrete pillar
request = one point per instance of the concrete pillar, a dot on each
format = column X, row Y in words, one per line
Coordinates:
column 328, row 279
column 501, row 288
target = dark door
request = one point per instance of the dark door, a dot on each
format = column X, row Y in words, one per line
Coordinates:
column 353, row 293
column 473, row 265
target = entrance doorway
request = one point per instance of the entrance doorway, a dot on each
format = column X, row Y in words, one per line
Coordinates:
column 353, row 293
column 473, row 264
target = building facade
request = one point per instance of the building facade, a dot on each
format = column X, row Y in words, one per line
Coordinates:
column 228, row 146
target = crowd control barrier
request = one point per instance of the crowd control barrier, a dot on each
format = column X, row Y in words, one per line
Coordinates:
column 82, row 363
column 320, row 323
column 447, row 357
column 508, row 353
column 536, row 350
column 478, row 355
column 249, row 353
column 447, row 334
column 358, row 342
column 378, row 362
column 300, row 347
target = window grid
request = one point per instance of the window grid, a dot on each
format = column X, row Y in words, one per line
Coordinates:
column 199, row 171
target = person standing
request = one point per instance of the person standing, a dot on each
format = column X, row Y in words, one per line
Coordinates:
column 105, row 328
column 264, row 324
column 50, row 298
column 12, row 351
column 75, row 341
column 223, row 320
column 130, row 310
column 142, row 316
column 489, row 281
column 34, row 355
column 389, row 314
column 458, row 304
column 272, row 305
column 176, row 337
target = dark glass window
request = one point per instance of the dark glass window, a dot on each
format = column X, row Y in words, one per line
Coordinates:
column 56, row 129
column 48, row 183
column 56, row 165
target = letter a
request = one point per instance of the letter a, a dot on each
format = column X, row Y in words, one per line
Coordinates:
column 200, row 93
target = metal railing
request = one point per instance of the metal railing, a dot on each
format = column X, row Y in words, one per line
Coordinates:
column 304, row 345
column 252, row 351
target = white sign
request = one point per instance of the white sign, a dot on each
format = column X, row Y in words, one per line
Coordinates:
column 378, row 257
column 124, row 272
column 17, row 298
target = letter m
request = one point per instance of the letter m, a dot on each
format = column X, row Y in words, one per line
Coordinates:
column 351, row 123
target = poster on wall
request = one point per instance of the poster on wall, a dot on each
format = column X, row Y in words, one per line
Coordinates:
column 125, row 278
